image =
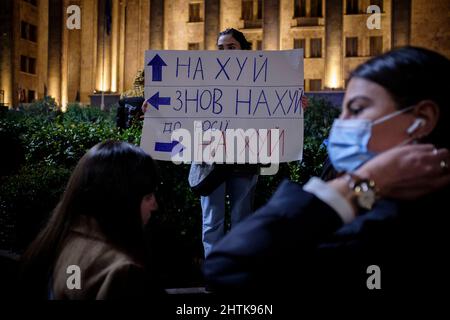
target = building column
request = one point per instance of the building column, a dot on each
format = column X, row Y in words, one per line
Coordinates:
column 64, row 58
column 271, row 25
column 15, row 55
column 157, row 24
column 144, row 31
column 42, row 62
column 212, row 23
column 121, row 60
column 88, row 49
column 55, row 28
column 401, row 23
column 136, row 39
column 6, row 52
column 115, row 34
column 103, row 82
column 71, row 59
column 333, row 44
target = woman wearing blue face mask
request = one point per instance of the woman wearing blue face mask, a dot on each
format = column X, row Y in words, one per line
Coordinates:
column 390, row 146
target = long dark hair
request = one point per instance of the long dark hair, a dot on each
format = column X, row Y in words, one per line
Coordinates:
column 411, row 75
column 239, row 36
column 108, row 185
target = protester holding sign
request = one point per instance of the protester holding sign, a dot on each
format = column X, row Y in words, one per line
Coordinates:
column 239, row 181
column 226, row 112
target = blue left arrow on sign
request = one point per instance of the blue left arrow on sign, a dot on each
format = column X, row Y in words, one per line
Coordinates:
column 157, row 101
column 157, row 64
column 173, row 147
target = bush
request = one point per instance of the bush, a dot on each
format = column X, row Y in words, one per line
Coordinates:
column 26, row 199
column 77, row 113
column 51, row 143
column 318, row 120
column 65, row 143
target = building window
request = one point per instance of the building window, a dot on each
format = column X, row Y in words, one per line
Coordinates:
column 378, row 3
column 23, row 64
column 194, row 12
column 28, row 31
column 299, row 43
column 376, row 46
column 299, row 8
column 252, row 10
column 316, row 8
column 259, row 45
column 316, row 48
column 32, row 2
column 247, row 10
column 252, row 13
column 28, row 64
column 31, row 96
column 260, row 10
column 32, row 65
column 23, row 30
column 352, row 7
column 351, row 47
column 32, row 35
column 194, row 46
column 315, row 84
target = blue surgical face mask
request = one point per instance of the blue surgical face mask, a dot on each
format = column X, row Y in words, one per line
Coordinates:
column 348, row 140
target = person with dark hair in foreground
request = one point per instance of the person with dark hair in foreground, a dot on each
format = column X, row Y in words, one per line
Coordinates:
column 97, row 229
column 382, row 223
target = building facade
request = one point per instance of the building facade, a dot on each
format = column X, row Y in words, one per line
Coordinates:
column 42, row 55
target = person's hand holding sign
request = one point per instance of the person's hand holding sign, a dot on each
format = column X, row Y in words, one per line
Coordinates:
column 144, row 109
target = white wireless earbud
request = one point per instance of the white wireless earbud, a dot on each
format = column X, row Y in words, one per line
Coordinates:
column 416, row 125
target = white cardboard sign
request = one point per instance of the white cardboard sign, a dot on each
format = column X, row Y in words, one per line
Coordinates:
column 224, row 90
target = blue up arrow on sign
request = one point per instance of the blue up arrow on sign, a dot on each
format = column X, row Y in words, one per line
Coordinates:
column 157, row 64
column 157, row 101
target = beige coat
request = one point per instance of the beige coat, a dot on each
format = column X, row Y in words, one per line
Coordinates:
column 106, row 272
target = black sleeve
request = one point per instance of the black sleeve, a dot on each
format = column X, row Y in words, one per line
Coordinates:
column 121, row 116
column 268, row 248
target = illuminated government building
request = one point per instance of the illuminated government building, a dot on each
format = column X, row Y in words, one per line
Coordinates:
column 40, row 56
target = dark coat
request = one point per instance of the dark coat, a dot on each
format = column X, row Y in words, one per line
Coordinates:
column 298, row 243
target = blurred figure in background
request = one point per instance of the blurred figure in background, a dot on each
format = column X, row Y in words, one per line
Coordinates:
column 130, row 110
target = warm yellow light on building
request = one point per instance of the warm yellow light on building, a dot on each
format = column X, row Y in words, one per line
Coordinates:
column 8, row 99
column 115, row 45
column 333, row 79
column 114, row 76
column 333, row 74
column 53, row 89
column 64, row 91
column 7, row 88
column 103, row 80
column 64, row 103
